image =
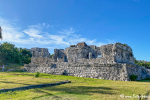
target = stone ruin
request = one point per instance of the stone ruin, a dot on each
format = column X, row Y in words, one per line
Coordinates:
column 111, row 61
column 40, row 52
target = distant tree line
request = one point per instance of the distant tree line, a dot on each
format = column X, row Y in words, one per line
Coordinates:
column 142, row 63
column 11, row 54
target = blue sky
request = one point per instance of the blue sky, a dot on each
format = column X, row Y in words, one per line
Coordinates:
column 60, row 23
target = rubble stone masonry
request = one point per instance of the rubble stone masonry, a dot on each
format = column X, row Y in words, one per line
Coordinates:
column 116, row 62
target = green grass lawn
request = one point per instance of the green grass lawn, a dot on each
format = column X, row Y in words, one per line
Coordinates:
column 79, row 88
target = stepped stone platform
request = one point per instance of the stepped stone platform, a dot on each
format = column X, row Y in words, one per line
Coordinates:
column 82, row 60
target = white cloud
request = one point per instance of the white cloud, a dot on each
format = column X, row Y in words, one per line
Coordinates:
column 10, row 33
column 58, row 40
column 72, row 38
column 37, row 35
column 67, row 32
column 38, row 26
column 33, row 32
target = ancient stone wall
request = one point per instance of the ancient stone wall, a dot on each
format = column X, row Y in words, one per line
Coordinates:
column 117, row 53
column 123, row 53
column 40, row 52
column 116, row 62
column 59, row 54
column 41, row 60
column 140, row 71
column 111, row 53
column 100, row 71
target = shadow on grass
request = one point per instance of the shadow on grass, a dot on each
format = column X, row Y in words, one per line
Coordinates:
column 77, row 90
column 21, row 74
column 144, row 80
column 83, row 90
column 41, row 91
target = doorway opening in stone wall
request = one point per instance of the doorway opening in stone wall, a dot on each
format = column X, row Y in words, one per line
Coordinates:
column 65, row 57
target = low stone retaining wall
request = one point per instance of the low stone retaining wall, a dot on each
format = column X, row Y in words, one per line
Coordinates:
column 33, row 86
column 110, row 73
column 118, row 71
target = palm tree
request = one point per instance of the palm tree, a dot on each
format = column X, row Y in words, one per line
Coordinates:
column 1, row 33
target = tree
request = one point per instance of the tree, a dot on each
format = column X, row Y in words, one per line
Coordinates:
column 25, row 56
column 142, row 63
column 135, row 61
column 1, row 33
column 16, row 56
column 51, row 55
column 2, row 56
column 8, row 51
column 11, row 54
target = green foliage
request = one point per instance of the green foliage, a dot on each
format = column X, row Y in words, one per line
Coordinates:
column 124, row 44
column 11, row 54
column 135, row 61
column 37, row 74
column 25, row 56
column 142, row 63
column 6, row 52
column 51, row 55
column 133, row 77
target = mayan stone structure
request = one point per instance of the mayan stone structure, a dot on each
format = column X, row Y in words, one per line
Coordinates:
column 82, row 60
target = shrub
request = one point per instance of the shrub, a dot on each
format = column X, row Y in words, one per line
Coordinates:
column 133, row 77
column 37, row 74
column 64, row 73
